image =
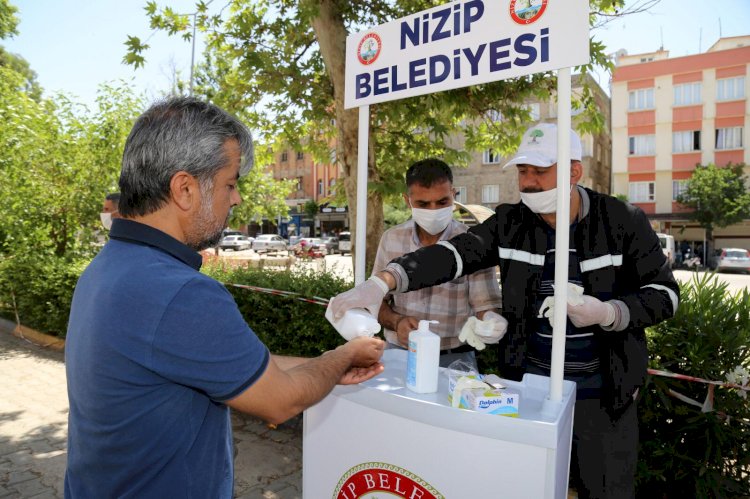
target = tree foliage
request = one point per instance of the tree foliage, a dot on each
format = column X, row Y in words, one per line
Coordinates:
column 8, row 19
column 58, row 162
column 718, row 196
column 280, row 65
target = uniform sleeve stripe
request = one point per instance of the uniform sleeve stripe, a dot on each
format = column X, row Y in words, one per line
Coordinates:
column 601, row 262
column 521, row 256
column 459, row 262
column 672, row 295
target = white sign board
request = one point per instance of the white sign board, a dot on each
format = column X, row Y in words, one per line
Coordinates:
column 464, row 43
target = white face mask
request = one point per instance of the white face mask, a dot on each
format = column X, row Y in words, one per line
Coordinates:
column 541, row 202
column 106, row 219
column 433, row 221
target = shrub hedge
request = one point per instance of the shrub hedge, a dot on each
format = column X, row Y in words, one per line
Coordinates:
column 37, row 289
column 684, row 452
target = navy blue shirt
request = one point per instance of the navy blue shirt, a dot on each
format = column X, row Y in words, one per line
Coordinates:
column 153, row 350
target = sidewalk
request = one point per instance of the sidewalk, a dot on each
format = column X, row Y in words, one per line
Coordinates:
column 34, row 422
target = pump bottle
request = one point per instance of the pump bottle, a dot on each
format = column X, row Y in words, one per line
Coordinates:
column 423, row 359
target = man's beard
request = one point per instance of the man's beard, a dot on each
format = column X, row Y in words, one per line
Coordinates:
column 207, row 229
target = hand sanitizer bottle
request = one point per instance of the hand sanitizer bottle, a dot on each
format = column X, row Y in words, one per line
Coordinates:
column 423, row 359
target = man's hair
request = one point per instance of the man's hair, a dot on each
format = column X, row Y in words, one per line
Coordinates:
column 427, row 172
column 176, row 134
column 114, row 197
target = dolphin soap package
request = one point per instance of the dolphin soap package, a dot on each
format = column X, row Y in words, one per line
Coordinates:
column 469, row 390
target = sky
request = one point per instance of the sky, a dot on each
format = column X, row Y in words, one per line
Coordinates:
column 76, row 45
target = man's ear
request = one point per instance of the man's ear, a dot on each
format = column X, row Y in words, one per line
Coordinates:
column 576, row 172
column 406, row 199
column 184, row 190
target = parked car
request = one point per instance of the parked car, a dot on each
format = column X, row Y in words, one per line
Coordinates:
column 733, row 259
column 345, row 242
column 331, row 244
column 269, row 242
column 236, row 242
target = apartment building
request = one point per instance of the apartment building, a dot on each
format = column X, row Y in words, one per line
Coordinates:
column 484, row 181
column 314, row 182
column 671, row 114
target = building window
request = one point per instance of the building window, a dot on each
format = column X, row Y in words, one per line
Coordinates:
column 320, row 187
column 300, row 155
column 642, row 145
column 490, row 157
column 729, row 138
column 686, row 141
column 461, row 194
column 534, row 111
column 491, row 193
column 333, row 156
column 284, row 157
column 679, row 187
column 494, row 116
column 730, row 88
column 641, row 99
column 641, row 192
column 331, row 183
column 687, row 94
column 299, row 183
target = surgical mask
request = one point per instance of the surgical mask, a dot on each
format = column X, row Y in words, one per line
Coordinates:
column 106, row 219
column 433, row 221
column 541, row 202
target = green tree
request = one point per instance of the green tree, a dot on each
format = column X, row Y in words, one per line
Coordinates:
column 281, row 64
column 9, row 28
column 29, row 84
column 311, row 209
column 8, row 19
column 718, row 196
column 58, row 162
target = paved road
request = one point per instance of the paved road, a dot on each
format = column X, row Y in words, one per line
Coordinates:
column 34, row 421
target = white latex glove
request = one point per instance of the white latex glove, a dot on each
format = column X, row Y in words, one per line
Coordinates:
column 575, row 297
column 368, row 295
column 468, row 335
column 464, row 383
column 591, row 312
column 492, row 328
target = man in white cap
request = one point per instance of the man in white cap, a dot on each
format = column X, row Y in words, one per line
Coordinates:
column 615, row 259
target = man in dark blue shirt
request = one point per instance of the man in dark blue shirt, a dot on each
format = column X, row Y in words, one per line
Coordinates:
column 157, row 352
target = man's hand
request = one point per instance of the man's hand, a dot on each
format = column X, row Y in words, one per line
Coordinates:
column 405, row 325
column 363, row 351
column 359, row 374
column 491, row 328
column 591, row 312
column 368, row 295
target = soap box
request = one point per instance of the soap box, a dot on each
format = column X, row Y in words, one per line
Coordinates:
column 485, row 400
column 490, row 401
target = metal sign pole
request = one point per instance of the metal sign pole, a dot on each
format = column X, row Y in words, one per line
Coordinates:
column 360, row 244
column 562, row 235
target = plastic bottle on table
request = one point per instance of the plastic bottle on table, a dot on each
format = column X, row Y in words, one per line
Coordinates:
column 423, row 359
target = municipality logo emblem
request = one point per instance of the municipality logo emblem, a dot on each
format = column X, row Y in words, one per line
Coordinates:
column 527, row 11
column 380, row 480
column 368, row 49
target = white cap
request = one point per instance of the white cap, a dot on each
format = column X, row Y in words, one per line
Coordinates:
column 539, row 147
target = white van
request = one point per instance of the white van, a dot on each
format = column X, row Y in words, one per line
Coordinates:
column 667, row 246
column 345, row 243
